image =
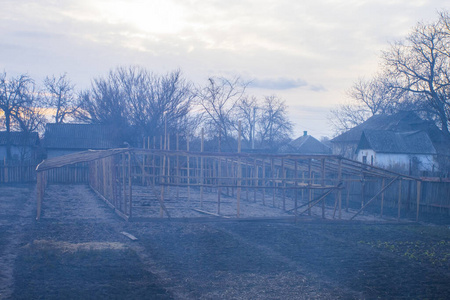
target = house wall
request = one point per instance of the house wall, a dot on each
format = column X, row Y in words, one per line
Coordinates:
column 18, row 153
column 421, row 162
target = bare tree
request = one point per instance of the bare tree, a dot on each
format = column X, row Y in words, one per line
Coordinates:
column 59, row 94
column 347, row 116
column 249, row 115
column 274, row 125
column 421, row 65
column 219, row 101
column 132, row 98
column 19, row 104
column 368, row 98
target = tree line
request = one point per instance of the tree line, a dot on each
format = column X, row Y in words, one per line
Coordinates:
column 414, row 75
column 134, row 101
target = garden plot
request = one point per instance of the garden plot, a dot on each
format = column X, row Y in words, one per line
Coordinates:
column 82, row 253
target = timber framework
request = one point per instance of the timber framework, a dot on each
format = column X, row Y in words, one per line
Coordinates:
column 148, row 183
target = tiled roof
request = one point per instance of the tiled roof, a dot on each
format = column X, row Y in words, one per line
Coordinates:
column 80, row 136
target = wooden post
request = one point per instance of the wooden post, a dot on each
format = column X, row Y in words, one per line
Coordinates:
column 188, row 171
column 323, row 184
column 383, row 183
column 178, row 168
column 239, row 173
column 40, row 194
column 219, row 183
column 309, row 187
column 348, row 195
column 124, row 190
column 419, row 186
column 255, row 179
column 264, row 181
column 201, row 168
column 130, row 185
column 283, row 172
column 399, row 198
column 168, row 164
column 339, row 190
column 296, row 190
column 272, row 171
column 363, row 191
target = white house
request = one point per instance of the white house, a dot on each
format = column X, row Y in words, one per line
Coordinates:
column 400, row 150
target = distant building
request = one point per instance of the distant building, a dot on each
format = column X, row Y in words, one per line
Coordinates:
column 306, row 145
column 401, row 150
column 401, row 139
column 24, row 145
column 61, row 139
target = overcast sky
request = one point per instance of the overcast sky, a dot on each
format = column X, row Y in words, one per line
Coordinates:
column 307, row 52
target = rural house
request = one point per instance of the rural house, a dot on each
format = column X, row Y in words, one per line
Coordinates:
column 306, row 145
column 24, row 145
column 62, row 139
column 402, row 150
column 401, row 139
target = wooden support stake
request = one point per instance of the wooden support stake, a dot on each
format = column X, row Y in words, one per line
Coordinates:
column 130, row 186
column 264, row 183
column 296, row 190
column 283, row 172
column 272, row 171
column 399, row 198
column 323, row 184
column 178, row 169
column 309, row 187
column 201, row 169
column 219, row 189
column 383, row 183
column 239, row 174
column 339, row 191
column 419, row 186
column 188, row 171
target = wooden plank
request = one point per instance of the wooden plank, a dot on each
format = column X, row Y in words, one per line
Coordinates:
column 130, row 236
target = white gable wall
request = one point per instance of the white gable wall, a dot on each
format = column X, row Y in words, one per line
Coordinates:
column 424, row 162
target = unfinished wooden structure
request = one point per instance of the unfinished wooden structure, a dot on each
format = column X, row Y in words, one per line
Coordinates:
column 236, row 184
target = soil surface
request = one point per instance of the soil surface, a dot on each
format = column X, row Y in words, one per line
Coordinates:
column 78, row 251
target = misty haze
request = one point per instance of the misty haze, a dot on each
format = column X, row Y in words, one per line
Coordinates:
column 235, row 150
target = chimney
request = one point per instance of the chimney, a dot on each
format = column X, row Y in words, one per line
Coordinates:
column 305, row 133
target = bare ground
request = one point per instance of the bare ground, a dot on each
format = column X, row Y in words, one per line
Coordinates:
column 77, row 251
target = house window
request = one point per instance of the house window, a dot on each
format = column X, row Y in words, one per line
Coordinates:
column 364, row 159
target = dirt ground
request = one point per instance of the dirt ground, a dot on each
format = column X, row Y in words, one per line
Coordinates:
column 78, row 251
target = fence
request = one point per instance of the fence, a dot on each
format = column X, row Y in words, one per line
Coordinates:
column 17, row 172
column 26, row 173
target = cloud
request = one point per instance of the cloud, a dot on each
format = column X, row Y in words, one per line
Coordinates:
column 280, row 83
column 317, row 88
